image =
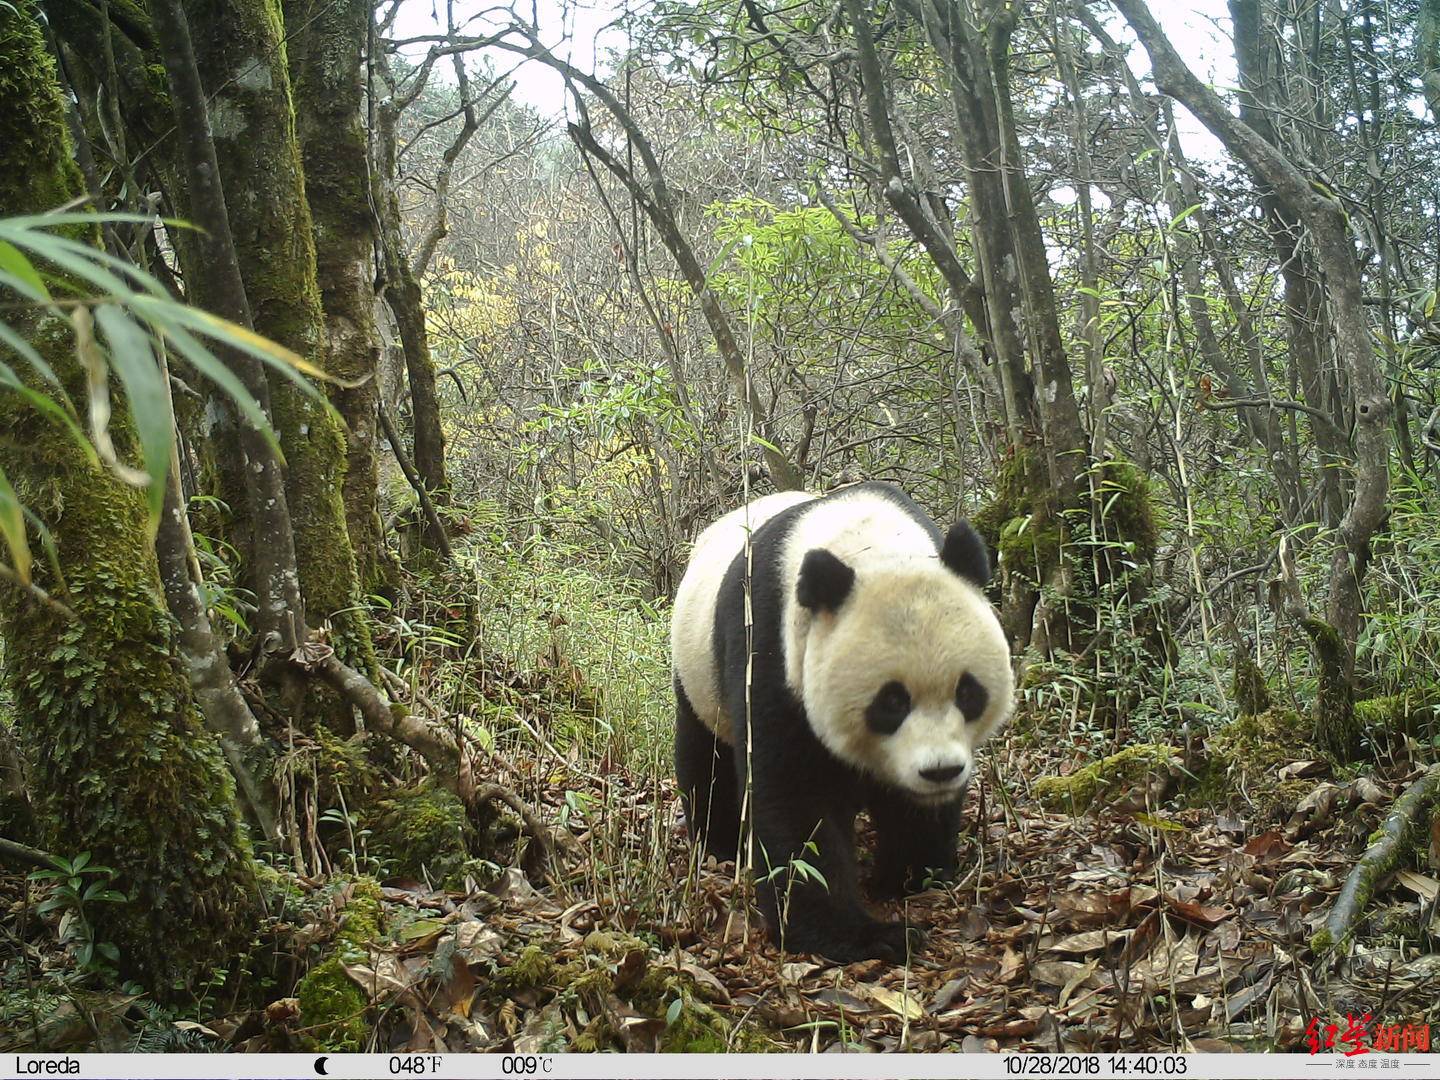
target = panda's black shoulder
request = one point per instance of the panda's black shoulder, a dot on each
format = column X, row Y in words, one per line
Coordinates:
column 902, row 503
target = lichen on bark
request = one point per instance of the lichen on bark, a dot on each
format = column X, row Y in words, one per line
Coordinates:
column 124, row 768
column 241, row 50
column 326, row 50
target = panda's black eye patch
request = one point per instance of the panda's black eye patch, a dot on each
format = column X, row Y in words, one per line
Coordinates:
column 970, row 697
column 888, row 710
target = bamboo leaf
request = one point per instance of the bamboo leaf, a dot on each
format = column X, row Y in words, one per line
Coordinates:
column 16, row 265
column 149, row 399
column 287, row 362
column 12, row 528
column 210, row 366
column 1178, row 218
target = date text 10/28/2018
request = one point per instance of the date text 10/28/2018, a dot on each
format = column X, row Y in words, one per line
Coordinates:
column 1094, row 1065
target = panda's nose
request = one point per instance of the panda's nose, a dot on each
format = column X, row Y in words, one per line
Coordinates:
column 943, row 773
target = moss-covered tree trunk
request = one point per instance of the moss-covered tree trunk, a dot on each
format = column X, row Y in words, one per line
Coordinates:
column 326, row 46
column 240, row 47
column 125, row 768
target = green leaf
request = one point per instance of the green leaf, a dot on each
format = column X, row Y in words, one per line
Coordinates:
column 205, row 362
column 673, row 1012
column 20, row 274
column 14, row 341
column 1161, row 823
column 12, row 528
column 290, row 364
column 1178, row 218
column 148, row 396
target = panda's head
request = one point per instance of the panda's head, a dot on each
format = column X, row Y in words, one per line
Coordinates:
column 906, row 670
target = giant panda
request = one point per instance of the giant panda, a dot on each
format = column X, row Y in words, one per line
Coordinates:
column 844, row 658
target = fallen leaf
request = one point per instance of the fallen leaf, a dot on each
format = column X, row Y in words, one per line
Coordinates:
column 948, row 993
column 1267, row 845
column 1087, row 941
column 901, row 1004
column 1427, row 888
column 1238, row 1002
column 421, row 929
column 839, row 998
column 972, row 926
column 1204, row 915
column 474, row 941
column 705, row 980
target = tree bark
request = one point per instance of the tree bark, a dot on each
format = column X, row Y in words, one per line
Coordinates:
column 402, row 290
column 240, row 48
column 1305, row 312
column 327, row 47
column 124, row 767
column 219, row 287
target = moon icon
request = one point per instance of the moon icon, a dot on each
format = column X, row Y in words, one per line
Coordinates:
column 320, row 1066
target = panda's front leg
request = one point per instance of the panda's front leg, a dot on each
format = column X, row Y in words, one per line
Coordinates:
column 915, row 845
column 807, row 879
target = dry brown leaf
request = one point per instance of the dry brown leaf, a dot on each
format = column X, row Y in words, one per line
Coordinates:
column 1268, row 845
column 1087, row 941
column 1427, row 888
column 795, row 970
column 901, row 1004
column 1204, row 915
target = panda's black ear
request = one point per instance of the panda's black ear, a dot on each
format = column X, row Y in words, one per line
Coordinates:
column 964, row 552
column 825, row 581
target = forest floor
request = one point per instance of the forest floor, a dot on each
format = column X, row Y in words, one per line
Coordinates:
column 1098, row 932
column 1137, row 925
column 1104, row 931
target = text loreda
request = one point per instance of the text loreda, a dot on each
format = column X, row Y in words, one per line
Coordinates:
column 47, row 1066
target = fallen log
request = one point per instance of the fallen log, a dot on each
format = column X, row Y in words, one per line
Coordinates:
column 1396, row 835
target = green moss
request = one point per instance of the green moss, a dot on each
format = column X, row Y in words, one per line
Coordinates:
column 533, row 969
column 1245, row 755
column 1407, row 712
column 422, row 830
column 333, row 1009
column 342, row 768
column 1019, row 521
column 1128, row 513
column 124, row 768
column 694, row 1033
column 1252, row 696
column 1121, row 772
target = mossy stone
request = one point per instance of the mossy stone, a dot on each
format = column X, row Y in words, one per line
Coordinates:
column 422, row 831
column 333, row 1009
column 1125, row 770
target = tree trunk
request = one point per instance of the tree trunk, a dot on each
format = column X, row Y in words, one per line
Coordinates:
column 1335, row 254
column 240, row 50
column 1305, row 312
column 125, row 769
column 404, row 296
column 326, row 48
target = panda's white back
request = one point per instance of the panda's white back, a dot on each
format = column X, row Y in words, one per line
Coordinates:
column 692, row 621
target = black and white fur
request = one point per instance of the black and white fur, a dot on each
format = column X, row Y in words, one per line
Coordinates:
column 871, row 669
